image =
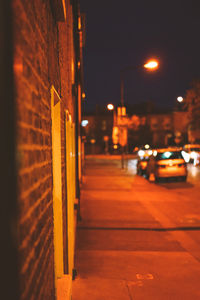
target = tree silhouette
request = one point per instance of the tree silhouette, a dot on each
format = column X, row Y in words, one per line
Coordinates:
column 192, row 101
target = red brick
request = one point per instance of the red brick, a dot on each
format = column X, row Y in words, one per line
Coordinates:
column 44, row 48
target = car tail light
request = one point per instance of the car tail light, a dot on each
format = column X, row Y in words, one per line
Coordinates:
column 182, row 165
column 161, row 166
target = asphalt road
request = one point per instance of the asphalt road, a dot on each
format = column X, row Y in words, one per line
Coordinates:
column 178, row 206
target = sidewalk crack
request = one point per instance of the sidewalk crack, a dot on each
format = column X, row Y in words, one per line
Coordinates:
column 128, row 289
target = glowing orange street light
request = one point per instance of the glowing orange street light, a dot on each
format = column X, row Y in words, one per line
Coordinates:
column 151, row 65
column 110, row 106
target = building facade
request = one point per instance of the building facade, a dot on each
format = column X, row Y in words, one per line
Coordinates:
column 156, row 129
column 42, row 67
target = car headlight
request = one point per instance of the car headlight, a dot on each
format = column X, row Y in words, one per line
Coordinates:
column 141, row 152
column 186, row 156
column 193, row 155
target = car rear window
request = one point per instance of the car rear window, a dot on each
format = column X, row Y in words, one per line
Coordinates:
column 169, row 155
column 195, row 149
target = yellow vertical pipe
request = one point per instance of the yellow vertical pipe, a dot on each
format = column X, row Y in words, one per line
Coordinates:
column 70, row 191
column 74, row 161
column 79, row 136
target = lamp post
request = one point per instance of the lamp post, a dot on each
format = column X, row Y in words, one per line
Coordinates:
column 110, row 107
column 180, row 104
column 151, row 65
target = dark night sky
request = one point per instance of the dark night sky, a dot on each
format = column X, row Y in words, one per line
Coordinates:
column 127, row 33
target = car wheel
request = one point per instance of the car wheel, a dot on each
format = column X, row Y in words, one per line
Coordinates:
column 184, row 178
column 157, row 179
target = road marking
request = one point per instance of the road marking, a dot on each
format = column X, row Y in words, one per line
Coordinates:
column 135, row 283
column 145, row 276
column 192, row 218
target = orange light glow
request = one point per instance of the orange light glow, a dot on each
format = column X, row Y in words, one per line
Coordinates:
column 110, row 106
column 83, row 95
column 72, row 71
column 79, row 23
column 18, row 65
column 18, row 68
column 92, row 141
column 151, row 65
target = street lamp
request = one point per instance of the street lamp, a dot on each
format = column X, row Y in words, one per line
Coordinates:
column 151, row 65
column 180, row 99
column 181, row 105
column 110, row 106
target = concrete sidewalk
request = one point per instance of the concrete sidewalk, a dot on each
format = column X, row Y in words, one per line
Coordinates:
column 122, row 253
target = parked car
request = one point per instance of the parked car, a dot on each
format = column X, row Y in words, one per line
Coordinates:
column 167, row 163
column 191, row 153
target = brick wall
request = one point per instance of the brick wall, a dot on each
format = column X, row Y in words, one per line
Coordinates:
column 66, row 60
column 37, row 63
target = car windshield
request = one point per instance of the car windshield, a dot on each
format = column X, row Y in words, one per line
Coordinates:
column 169, row 155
